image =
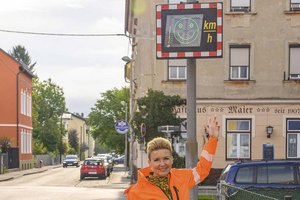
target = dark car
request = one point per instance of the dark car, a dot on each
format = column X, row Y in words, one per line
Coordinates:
column 93, row 168
column 71, row 160
column 273, row 179
column 119, row 160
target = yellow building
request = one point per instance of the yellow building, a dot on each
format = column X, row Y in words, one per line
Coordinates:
column 255, row 85
column 78, row 123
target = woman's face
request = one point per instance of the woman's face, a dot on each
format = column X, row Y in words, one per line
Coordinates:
column 160, row 162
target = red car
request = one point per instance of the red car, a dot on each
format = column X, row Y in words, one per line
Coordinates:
column 93, row 168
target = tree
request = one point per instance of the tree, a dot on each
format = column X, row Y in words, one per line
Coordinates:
column 156, row 109
column 21, row 55
column 73, row 139
column 48, row 103
column 107, row 110
column 4, row 144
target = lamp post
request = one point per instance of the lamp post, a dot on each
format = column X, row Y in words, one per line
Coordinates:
column 126, row 118
column 131, row 133
column 61, row 133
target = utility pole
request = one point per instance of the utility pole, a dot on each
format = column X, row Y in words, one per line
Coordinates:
column 126, row 145
column 61, row 129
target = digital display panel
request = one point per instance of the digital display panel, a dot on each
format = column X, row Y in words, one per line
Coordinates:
column 189, row 30
column 183, row 30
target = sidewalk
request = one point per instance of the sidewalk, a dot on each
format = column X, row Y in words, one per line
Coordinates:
column 119, row 178
column 19, row 173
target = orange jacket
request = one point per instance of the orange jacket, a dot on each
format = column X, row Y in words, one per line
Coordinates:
column 180, row 180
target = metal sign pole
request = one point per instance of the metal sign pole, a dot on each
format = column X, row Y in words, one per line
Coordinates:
column 191, row 144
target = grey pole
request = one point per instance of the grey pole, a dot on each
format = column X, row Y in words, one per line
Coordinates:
column 191, row 144
column 126, row 142
column 131, row 132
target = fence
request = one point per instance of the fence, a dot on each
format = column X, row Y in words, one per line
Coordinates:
column 47, row 159
column 3, row 162
column 230, row 192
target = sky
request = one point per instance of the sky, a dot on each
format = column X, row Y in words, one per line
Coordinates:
column 84, row 67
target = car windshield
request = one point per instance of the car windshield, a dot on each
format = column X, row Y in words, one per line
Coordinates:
column 71, row 157
column 91, row 162
column 224, row 173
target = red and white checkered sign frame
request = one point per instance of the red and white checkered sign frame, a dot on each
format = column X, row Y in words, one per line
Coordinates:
column 196, row 54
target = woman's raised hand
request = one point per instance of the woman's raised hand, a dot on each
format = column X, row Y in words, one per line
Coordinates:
column 213, row 127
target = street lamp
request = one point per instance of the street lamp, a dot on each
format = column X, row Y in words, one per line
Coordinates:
column 125, row 151
column 131, row 133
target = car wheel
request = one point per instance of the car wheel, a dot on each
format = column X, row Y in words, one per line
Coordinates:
column 81, row 177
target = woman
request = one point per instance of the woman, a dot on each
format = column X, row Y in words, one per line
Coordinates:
column 160, row 181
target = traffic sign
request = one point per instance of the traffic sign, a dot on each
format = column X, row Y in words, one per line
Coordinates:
column 122, row 126
column 189, row 30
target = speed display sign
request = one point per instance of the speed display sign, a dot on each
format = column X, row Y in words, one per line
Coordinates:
column 189, row 30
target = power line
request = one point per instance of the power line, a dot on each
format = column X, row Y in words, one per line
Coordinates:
column 63, row 34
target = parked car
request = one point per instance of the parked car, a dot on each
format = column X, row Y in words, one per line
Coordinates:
column 71, row 160
column 119, row 160
column 92, row 167
column 280, row 177
column 107, row 162
column 105, row 156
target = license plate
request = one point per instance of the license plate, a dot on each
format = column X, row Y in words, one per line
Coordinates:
column 92, row 172
column 69, row 163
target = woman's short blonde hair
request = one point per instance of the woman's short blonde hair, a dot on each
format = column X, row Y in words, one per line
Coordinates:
column 158, row 143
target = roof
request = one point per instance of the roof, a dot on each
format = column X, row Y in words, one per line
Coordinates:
column 22, row 65
column 68, row 115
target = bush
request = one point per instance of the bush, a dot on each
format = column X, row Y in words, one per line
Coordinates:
column 4, row 144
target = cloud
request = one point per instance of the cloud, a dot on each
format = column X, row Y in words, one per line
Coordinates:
column 83, row 66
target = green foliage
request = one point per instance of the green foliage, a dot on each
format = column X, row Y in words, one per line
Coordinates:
column 156, row 109
column 207, row 197
column 20, row 53
column 107, row 110
column 4, row 144
column 48, row 103
column 73, row 140
column 178, row 162
column 72, row 151
column 63, row 148
column 38, row 147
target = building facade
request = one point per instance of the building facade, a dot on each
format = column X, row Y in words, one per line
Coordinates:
column 254, row 86
column 16, row 111
column 78, row 123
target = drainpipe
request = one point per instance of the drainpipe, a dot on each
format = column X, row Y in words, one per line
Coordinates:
column 17, row 98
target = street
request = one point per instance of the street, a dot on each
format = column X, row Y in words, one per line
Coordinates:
column 60, row 183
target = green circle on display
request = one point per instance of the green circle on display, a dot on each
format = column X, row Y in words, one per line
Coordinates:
column 186, row 30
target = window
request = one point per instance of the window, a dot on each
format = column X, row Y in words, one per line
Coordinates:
column 295, row 5
column 245, row 175
column 26, row 141
column 275, row 174
column 294, row 61
column 239, row 62
column 240, row 6
column 238, row 138
column 293, row 138
column 26, row 103
column 177, row 69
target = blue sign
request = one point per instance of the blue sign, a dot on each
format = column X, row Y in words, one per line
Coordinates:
column 122, row 127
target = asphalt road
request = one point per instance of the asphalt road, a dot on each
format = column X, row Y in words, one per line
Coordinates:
column 59, row 183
